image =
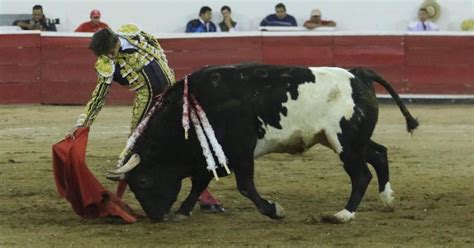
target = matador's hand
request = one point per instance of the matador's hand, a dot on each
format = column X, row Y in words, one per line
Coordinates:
column 70, row 133
column 79, row 123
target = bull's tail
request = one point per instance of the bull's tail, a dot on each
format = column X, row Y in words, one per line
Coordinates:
column 371, row 75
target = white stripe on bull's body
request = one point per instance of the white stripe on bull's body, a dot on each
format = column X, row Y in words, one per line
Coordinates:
column 319, row 108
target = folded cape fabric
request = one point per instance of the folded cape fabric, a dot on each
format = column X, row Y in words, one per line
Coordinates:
column 78, row 185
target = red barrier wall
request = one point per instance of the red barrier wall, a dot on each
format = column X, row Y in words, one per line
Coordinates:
column 60, row 70
column 187, row 55
column 440, row 64
column 384, row 54
column 20, row 71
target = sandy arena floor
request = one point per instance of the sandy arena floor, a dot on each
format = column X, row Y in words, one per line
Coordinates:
column 432, row 173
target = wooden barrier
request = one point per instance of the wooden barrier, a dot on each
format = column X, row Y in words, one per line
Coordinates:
column 60, row 70
column 187, row 55
column 20, row 71
column 440, row 64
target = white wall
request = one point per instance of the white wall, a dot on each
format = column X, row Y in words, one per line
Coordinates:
column 168, row 16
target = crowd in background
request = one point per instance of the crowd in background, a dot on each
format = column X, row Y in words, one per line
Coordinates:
column 204, row 23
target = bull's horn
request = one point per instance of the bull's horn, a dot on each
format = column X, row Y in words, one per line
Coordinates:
column 215, row 174
column 115, row 177
column 131, row 163
column 227, row 169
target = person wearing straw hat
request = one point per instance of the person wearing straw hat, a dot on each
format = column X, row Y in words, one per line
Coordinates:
column 428, row 12
column 315, row 21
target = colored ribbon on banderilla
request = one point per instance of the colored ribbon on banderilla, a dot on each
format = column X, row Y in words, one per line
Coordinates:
column 204, row 132
column 185, row 119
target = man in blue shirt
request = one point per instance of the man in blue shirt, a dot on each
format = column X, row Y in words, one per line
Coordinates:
column 203, row 24
column 280, row 18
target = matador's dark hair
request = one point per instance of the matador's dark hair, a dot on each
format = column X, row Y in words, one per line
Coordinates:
column 103, row 41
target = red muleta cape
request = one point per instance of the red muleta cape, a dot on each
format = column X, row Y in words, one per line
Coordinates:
column 78, row 185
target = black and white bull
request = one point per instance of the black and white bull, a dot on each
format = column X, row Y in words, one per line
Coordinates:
column 259, row 109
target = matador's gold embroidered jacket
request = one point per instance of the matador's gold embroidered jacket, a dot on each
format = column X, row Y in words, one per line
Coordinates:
column 139, row 69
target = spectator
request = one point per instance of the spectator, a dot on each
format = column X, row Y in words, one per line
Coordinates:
column 423, row 24
column 38, row 21
column 93, row 25
column 315, row 21
column 280, row 18
column 227, row 24
column 203, row 24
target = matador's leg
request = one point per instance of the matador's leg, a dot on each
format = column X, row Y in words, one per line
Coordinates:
column 141, row 105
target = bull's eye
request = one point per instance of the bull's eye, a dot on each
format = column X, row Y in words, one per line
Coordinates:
column 261, row 73
column 215, row 78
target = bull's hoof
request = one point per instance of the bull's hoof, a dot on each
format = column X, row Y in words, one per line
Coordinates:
column 340, row 217
column 388, row 198
column 279, row 211
column 215, row 208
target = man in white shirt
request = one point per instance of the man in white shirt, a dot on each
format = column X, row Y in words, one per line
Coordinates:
column 423, row 24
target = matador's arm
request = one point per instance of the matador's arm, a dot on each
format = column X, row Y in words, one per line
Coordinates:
column 105, row 68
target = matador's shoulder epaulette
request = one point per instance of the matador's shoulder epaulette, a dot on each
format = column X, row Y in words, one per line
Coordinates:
column 129, row 30
column 105, row 66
